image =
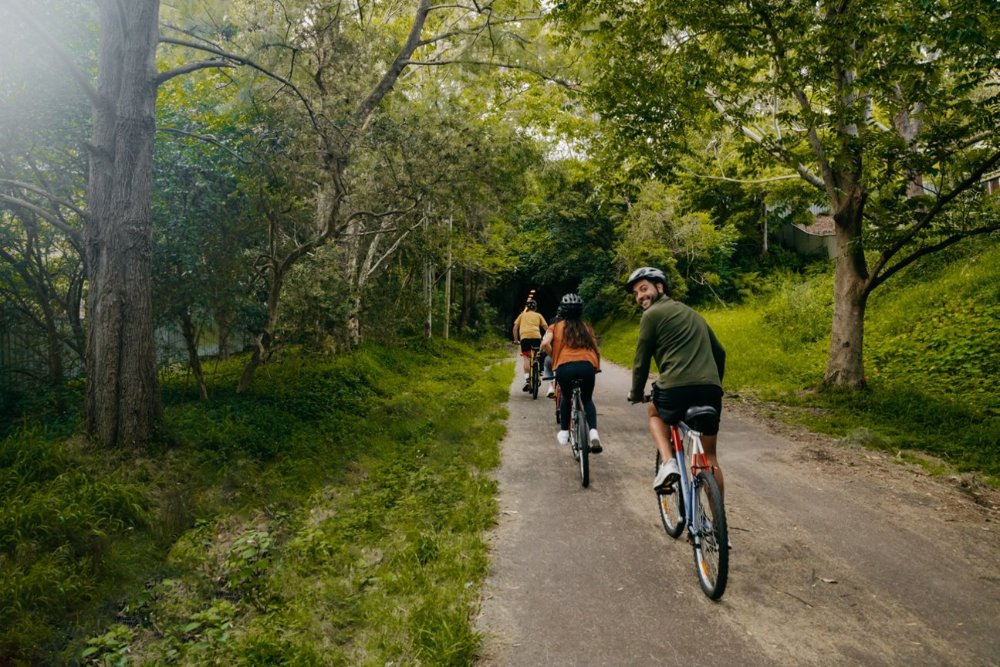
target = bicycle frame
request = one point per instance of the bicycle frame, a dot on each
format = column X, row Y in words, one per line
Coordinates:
column 679, row 434
column 707, row 527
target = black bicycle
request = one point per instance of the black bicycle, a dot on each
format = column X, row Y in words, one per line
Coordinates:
column 535, row 378
column 579, row 433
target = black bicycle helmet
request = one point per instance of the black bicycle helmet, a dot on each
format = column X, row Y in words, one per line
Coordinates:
column 649, row 273
column 532, row 304
column 571, row 305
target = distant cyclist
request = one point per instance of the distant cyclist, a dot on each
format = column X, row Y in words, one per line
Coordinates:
column 691, row 363
column 575, row 356
column 527, row 330
column 547, row 372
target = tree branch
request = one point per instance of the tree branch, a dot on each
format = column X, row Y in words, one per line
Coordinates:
column 972, row 179
column 253, row 65
column 367, row 106
column 776, row 151
column 190, row 67
column 878, row 279
column 45, row 193
column 569, row 85
column 740, row 180
column 206, row 138
column 74, row 234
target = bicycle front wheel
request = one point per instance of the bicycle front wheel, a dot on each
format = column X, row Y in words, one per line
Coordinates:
column 671, row 506
column 583, row 441
column 710, row 536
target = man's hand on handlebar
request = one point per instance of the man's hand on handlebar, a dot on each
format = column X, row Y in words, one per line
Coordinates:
column 645, row 398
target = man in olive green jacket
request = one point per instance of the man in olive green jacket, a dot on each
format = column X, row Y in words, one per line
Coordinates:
column 691, row 363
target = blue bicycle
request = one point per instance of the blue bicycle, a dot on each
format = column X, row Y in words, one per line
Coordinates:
column 696, row 502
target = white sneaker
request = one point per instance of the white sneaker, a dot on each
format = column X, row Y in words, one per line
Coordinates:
column 551, row 392
column 563, row 437
column 595, row 442
column 666, row 476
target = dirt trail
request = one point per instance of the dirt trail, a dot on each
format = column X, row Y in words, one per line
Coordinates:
column 841, row 555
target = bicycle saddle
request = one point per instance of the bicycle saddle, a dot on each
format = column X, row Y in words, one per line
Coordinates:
column 699, row 416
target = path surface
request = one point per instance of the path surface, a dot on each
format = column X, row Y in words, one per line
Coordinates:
column 841, row 556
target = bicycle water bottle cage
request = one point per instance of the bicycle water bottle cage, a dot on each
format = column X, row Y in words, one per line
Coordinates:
column 699, row 417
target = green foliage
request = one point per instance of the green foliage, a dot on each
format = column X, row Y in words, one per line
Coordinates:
column 799, row 310
column 110, row 649
column 64, row 523
column 565, row 234
column 344, row 499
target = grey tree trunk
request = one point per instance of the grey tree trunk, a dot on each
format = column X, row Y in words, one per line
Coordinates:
column 845, row 364
column 122, row 398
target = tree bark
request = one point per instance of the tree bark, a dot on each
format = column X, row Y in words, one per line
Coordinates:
column 845, row 363
column 122, row 397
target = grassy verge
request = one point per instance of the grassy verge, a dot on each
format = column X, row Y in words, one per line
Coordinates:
column 932, row 353
column 335, row 516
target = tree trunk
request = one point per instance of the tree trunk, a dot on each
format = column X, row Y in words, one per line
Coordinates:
column 354, row 321
column 845, row 364
column 266, row 337
column 224, row 332
column 122, row 398
column 191, row 336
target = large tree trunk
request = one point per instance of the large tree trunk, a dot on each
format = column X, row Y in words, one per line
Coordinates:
column 845, row 364
column 122, row 402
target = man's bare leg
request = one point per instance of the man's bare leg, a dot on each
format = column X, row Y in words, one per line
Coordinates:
column 660, row 432
column 709, row 442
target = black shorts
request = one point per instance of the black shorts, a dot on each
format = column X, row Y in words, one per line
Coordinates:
column 528, row 343
column 673, row 403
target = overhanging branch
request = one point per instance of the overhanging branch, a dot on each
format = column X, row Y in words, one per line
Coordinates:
column 54, row 220
column 569, row 85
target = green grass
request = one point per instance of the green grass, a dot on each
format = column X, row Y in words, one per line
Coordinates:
column 335, row 516
column 932, row 356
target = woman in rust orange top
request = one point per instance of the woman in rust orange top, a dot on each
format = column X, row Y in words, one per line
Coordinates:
column 573, row 347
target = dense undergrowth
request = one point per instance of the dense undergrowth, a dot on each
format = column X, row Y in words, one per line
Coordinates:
column 932, row 358
column 335, row 516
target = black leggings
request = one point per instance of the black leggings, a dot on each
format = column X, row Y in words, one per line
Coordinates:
column 565, row 374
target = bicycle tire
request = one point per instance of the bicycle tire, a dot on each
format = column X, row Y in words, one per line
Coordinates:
column 711, row 545
column 671, row 507
column 535, row 381
column 583, row 441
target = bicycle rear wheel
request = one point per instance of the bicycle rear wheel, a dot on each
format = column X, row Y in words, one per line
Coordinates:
column 671, row 507
column 711, row 536
column 536, row 379
column 583, row 442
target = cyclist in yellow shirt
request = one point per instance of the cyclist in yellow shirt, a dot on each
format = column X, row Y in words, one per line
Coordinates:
column 527, row 330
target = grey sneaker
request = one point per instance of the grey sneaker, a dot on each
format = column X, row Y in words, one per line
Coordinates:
column 666, row 476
